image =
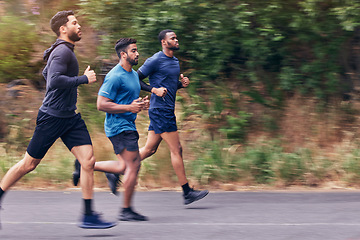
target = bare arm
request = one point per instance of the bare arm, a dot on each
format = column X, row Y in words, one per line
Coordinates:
column 107, row 105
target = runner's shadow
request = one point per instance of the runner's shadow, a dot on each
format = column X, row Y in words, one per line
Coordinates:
column 98, row 236
column 199, row 208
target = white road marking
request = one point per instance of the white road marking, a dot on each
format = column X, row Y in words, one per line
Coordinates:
column 200, row 224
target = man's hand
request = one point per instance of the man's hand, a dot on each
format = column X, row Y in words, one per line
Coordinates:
column 160, row 92
column 184, row 80
column 91, row 75
column 137, row 105
column 146, row 102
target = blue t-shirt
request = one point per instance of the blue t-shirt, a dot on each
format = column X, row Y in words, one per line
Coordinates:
column 163, row 71
column 122, row 87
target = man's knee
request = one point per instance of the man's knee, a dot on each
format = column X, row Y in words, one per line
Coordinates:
column 88, row 163
column 135, row 167
column 147, row 152
column 177, row 150
column 29, row 164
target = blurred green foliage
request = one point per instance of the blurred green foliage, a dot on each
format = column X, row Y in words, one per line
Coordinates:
column 263, row 51
column 236, row 128
column 17, row 39
column 281, row 45
column 266, row 162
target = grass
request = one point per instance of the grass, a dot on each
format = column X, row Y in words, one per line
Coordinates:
column 266, row 162
column 263, row 162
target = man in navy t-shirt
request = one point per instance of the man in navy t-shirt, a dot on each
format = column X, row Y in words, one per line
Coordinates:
column 163, row 70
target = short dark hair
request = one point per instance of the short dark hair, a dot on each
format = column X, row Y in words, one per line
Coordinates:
column 122, row 44
column 60, row 19
column 163, row 33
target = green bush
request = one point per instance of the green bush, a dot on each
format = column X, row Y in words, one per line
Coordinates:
column 236, row 129
column 291, row 168
column 17, row 38
column 214, row 163
column 260, row 163
column 351, row 166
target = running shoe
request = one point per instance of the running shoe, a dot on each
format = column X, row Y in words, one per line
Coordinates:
column 130, row 215
column 194, row 195
column 76, row 173
column 94, row 221
column 114, row 182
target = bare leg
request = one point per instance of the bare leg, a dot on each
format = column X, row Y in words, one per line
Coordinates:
column 91, row 219
column 15, row 173
column 111, row 166
column 173, row 141
column 86, row 158
column 152, row 144
column 132, row 161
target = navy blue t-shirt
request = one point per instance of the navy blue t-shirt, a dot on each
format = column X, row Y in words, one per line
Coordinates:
column 163, row 71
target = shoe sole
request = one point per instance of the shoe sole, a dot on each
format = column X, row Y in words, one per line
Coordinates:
column 197, row 199
column 96, row 226
column 133, row 219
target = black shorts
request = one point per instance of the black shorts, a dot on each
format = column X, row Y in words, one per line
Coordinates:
column 72, row 131
column 125, row 140
column 162, row 120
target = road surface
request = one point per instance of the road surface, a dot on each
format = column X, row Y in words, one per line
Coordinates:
column 221, row 215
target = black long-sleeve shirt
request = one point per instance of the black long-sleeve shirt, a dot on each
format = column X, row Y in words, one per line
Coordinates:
column 62, row 81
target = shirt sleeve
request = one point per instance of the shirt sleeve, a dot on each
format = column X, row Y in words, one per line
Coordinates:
column 109, row 88
column 144, row 86
column 57, row 70
column 149, row 66
column 179, row 85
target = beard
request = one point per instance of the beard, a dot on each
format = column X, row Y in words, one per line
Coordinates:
column 74, row 37
column 133, row 62
column 174, row 48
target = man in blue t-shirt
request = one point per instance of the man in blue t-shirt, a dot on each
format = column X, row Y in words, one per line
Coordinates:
column 119, row 98
column 163, row 70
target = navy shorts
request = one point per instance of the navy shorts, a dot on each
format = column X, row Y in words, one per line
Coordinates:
column 162, row 120
column 72, row 131
column 125, row 140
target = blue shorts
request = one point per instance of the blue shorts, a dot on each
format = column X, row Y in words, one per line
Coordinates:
column 125, row 140
column 72, row 131
column 162, row 120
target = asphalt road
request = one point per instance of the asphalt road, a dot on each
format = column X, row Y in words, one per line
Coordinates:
column 221, row 215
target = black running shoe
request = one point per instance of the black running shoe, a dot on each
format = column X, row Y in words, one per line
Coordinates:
column 95, row 222
column 194, row 195
column 130, row 215
column 76, row 173
column 113, row 181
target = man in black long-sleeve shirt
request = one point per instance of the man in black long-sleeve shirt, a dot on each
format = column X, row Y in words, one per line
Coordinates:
column 57, row 117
